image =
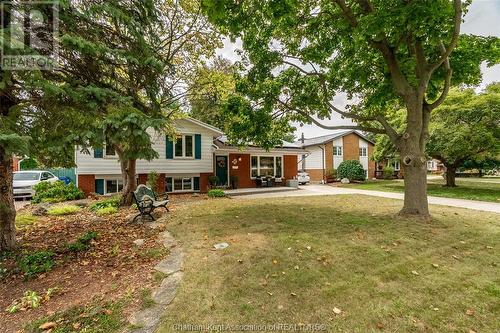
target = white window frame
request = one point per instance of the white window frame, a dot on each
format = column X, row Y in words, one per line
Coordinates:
column 363, row 152
column 396, row 165
column 336, row 149
column 183, row 190
column 183, row 156
column 258, row 164
column 118, row 181
column 105, row 153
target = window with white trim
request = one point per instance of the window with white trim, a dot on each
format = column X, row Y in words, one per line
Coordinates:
column 337, row 150
column 266, row 166
column 396, row 165
column 184, row 146
column 363, row 152
column 180, row 184
column 113, row 186
column 109, row 150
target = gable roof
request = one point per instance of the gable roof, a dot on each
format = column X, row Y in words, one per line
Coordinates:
column 319, row 140
column 205, row 125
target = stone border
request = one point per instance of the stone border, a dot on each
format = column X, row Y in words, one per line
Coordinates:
column 148, row 320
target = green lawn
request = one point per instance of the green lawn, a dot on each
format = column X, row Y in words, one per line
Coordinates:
column 295, row 260
column 472, row 189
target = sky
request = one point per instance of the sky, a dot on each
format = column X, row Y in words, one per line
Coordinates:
column 482, row 19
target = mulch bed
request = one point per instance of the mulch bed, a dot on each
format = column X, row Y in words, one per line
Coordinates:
column 113, row 266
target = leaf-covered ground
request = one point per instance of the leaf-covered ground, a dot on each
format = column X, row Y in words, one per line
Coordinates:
column 345, row 262
column 113, row 270
column 481, row 189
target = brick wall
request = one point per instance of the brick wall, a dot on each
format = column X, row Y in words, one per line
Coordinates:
column 315, row 174
column 242, row 171
column 86, row 183
column 15, row 164
column 204, row 182
column 351, row 147
column 371, row 163
column 161, row 183
column 329, row 156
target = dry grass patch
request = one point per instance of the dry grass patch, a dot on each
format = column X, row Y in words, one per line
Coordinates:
column 298, row 260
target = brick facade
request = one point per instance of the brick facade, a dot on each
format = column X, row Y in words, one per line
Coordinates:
column 241, row 169
column 86, row 183
column 204, row 184
column 15, row 164
column 351, row 147
column 316, row 175
column 161, row 183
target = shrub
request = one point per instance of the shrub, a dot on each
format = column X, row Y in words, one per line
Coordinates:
column 213, row 180
column 352, row 170
column 63, row 210
column 216, row 193
column 106, row 211
column 82, row 243
column 331, row 173
column 388, row 172
column 111, row 202
column 24, row 220
column 56, row 192
column 37, row 262
column 152, row 182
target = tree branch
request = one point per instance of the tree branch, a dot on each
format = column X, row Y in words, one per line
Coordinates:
column 447, row 84
column 454, row 38
column 348, row 14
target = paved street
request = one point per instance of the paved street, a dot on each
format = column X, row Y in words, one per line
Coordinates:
column 312, row 190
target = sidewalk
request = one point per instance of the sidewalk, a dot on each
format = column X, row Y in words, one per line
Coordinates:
column 314, row 190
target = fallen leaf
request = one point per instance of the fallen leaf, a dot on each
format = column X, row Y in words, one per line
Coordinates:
column 269, row 293
column 308, row 248
column 47, row 326
column 436, row 309
column 296, row 267
column 435, row 265
column 337, row 311
column 415, row 273
column 275, row 261
column 380, row 325
column 240, row 261
column 293, row 294
column 470, row 312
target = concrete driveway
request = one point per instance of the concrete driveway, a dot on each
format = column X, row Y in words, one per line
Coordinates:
column 314, row 190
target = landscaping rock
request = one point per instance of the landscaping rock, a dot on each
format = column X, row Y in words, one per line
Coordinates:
column 172, row 264
column 167, row 290
column 221, row 246
column 139, row 242
column 345, row 181
column 41, row 210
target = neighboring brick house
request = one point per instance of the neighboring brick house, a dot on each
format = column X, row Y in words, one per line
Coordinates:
column 325, row 153
column 15, row 163
column 186, row 165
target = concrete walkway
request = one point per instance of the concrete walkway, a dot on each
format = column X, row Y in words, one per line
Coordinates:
column 314, row 190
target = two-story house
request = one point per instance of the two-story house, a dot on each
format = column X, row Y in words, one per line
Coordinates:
column 325, row 153
column 185, row 165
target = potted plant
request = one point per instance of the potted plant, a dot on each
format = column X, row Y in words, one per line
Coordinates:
column 234, row 181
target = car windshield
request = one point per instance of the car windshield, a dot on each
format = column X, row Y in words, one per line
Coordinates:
column 27, row 176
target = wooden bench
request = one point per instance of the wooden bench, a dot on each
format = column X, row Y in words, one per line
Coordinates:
column 147, row 202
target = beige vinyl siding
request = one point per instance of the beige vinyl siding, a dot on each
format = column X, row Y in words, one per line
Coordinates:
column 88, row 165
column 315, row 158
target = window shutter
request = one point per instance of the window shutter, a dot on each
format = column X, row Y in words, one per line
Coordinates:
column 197, row 146
column 170, row 149
column 98, row 153
column 170, row 184
column 196, row 183
column 99, row 186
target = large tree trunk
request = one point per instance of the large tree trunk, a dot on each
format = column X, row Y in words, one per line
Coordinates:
column 451, row 173
column 131, row 185
column 7, row 208
column 415, row 201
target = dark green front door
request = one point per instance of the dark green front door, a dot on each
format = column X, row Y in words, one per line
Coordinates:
column 221, row 169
